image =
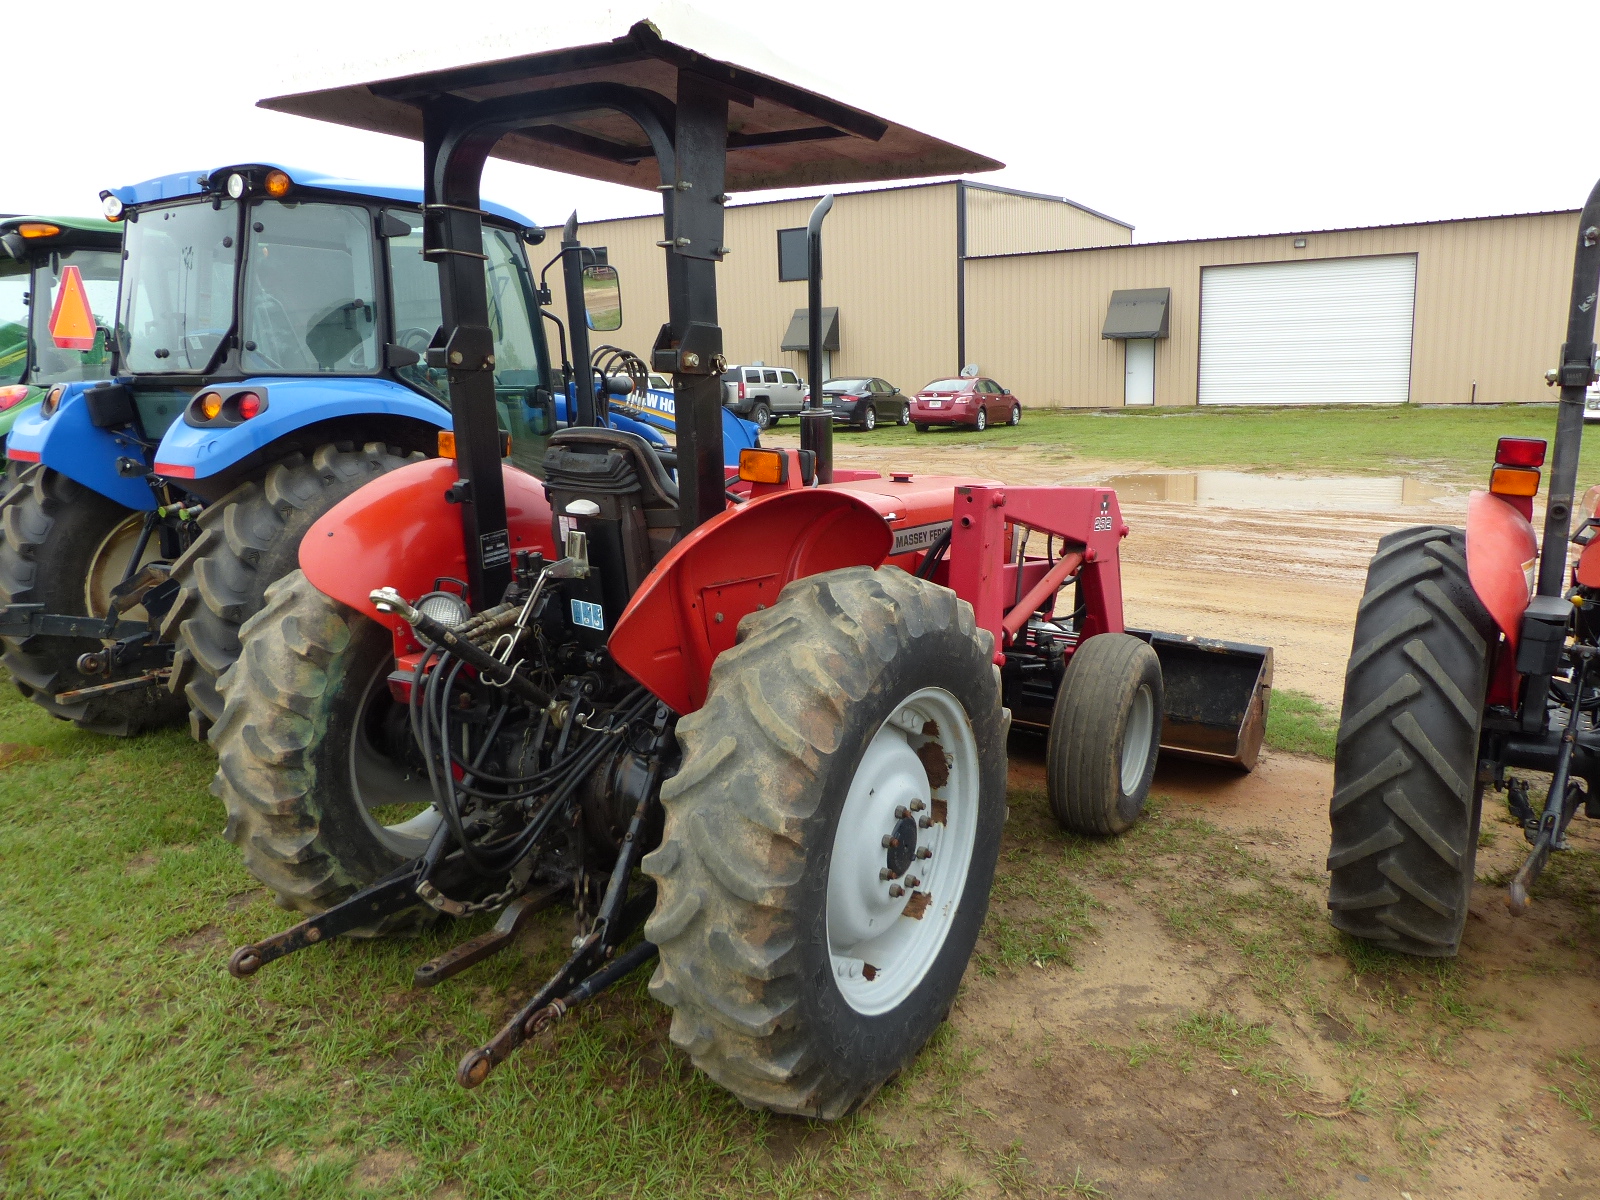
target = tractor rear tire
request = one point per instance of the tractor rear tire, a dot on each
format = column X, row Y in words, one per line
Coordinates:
column 1406, row 803
column 772, row 841
column 56, row 533
column 294, row 746
column 250, row 539
column 1105, row 735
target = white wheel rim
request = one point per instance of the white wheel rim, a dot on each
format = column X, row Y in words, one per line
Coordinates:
column 1136, row 738
column 869, row 931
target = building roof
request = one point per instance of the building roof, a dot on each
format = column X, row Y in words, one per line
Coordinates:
column 1245, row 237
column 897, row 187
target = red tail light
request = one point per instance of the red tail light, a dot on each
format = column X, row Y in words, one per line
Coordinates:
column 741, row 390
column 1519, row 452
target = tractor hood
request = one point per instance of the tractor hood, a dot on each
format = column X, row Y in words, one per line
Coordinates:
column 779, row 134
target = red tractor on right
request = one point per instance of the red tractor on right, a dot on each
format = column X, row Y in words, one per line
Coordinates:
column 1475, row 651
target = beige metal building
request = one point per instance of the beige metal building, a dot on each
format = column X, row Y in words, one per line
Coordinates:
column 891, row 266
column 1053, row 300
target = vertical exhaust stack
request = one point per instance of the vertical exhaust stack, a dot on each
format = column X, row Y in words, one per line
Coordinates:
column 816, row 422
column 582, row 414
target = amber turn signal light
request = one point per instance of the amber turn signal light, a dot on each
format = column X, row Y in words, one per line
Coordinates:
column 210, row 406
column 447, row 444
column 1514, row 481
column 277, row 184
column 33, row 229
column 763, row 466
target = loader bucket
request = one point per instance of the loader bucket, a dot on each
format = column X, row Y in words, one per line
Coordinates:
column 1216, row 697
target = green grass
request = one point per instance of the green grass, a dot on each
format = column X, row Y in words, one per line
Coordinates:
column 1300, row 724
column 1448, row 443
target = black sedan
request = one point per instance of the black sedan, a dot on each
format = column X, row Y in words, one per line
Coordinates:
column 867, row 401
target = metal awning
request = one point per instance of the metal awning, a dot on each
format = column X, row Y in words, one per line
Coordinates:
column 799, row 335
column 779, row 134
column 1137, row 313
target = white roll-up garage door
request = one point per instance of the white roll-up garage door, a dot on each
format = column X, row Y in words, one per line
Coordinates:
column 1336, row 331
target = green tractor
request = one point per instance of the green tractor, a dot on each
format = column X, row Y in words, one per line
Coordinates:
column 58, row 292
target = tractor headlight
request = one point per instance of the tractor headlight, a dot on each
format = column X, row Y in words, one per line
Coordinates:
column 236, row 185
column 111, row 206
column 447, row 608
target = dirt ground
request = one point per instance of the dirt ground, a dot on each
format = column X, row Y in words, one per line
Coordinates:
column 1471, row 1105
column 1289, row 580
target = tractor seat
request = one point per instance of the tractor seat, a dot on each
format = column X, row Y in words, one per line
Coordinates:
column 631, row 514
column 608, row 462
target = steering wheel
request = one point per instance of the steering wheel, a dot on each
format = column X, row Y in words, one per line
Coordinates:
column 415, row 340
column 272, row 326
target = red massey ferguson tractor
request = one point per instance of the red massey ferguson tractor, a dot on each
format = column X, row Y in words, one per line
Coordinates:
column 764, row 718
column 1474, row 652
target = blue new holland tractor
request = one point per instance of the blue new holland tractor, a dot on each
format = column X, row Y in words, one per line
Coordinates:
column 275, row 348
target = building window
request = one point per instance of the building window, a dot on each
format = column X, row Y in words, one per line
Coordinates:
column 791, row 255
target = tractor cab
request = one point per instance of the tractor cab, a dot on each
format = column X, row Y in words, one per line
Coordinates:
column 263, row 281
column 58, row 299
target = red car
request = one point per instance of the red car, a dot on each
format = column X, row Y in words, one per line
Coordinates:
column 975, row 402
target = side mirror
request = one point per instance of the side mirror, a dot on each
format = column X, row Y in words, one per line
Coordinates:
column 602, row 298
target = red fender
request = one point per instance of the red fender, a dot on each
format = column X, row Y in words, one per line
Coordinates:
column 688, row 610
column 398, row 531
column 1502, row 553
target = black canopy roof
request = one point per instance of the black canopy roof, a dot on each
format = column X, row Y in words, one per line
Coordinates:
column 779, row 135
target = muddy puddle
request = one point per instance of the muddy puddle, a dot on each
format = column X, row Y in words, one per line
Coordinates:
column 1279, row 493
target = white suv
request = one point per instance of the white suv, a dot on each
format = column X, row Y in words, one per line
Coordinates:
column 763, row 394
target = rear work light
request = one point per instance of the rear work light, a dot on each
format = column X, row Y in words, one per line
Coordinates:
column 763, row 466
column 1514, row 481
column 1519, row 452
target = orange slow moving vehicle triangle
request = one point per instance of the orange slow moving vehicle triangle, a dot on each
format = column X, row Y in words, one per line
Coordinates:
column 72, row 325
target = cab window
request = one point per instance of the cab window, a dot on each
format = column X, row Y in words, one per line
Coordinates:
column 100, row 271
column 13, row 320
column 310, row 303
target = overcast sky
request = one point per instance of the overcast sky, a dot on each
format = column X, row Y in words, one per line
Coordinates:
column 1186, row 120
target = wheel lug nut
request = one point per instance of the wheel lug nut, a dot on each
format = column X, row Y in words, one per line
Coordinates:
column 924, row 852
column 924, row 822
column 912, row 881
column 917, row 806
column 901, row 812
column 896, row 891
column 889, row 843
column 884, row 875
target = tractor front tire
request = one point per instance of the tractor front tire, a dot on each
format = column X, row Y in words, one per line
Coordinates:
column 1105, row 734
column 299, row 756
column 250, row 539
column 58, row 536
column 1406, row 804
column 859, row 706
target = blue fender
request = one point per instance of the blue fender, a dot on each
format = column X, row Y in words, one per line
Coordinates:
column 188, row 452
column 67, row 442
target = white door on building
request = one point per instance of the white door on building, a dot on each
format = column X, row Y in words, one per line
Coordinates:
column 1139, row 371
column 1335, row 331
